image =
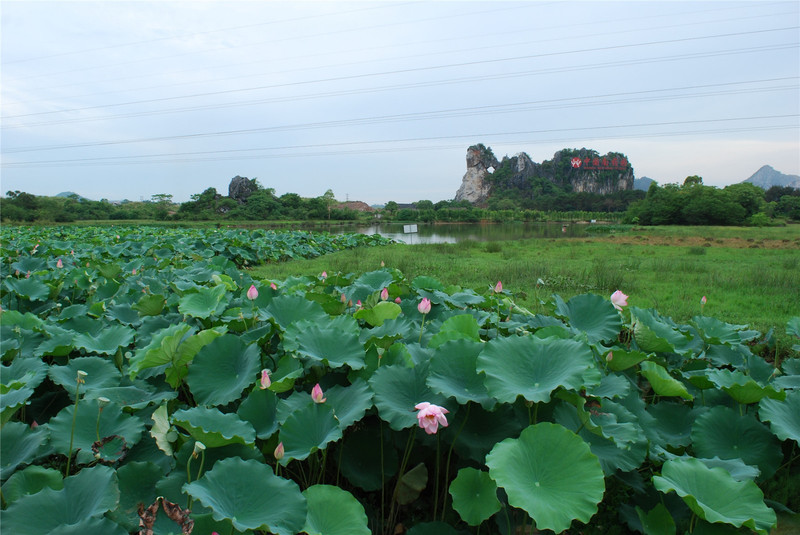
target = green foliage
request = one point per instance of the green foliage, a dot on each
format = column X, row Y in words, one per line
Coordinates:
column 542, row 427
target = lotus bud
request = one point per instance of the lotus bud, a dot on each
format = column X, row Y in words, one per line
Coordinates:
column 265, row 381
column 498, row 288
column 384, row 294
column 397, row 300
column 252, row 293
column 272, row 285
column 316, row 394
column 279, row 452
column 59, row 264
column 424, row 306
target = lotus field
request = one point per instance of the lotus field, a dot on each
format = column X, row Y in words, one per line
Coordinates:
column 151, row 385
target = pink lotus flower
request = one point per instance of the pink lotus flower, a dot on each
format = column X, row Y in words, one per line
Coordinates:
column 384, row 294
column 265, row 382
column 398, row 300
column 424, row 306
column 133, row 271
column 316, row 394
column 358, row 304
column 703, row 300
column 610, row 356
column 59, row 264
column 498, row 288
column 272, row 285
column 279, row 451
column 431, row 416
column 619, row 300
column 252, row 293
column 344, row 299
column 324, row 275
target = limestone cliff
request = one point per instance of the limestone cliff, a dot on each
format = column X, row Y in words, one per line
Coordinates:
column 474, row 187
column 572, row 170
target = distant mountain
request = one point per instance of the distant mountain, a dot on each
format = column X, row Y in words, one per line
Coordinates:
column 642, row 183
column 69, row 194
column 766, row 177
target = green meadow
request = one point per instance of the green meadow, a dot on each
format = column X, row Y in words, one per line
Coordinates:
column 748, row 275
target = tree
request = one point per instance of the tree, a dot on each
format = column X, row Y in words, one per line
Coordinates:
column 749, row 196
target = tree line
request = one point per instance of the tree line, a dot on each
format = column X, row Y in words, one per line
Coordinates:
column 693, row 203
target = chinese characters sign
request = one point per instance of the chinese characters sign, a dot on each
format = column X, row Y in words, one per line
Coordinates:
column 599, row 163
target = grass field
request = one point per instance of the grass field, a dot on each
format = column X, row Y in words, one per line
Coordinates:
column 749, row 275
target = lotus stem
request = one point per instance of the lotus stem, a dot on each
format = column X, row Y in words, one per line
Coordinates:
column 78, row 382
column 422, row 328
column 436, row 477
column 449, row 456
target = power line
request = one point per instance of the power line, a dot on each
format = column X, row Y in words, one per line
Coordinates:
column 406, row 71
column 352, row 92
column 203, row 155
column 560, row 103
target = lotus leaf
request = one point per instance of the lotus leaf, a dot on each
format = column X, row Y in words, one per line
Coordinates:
column 333, row 511
column 662, row 382
column 84, row 497
column 397, row 390
column 213, row 428
column 550, row 473
column 783, row 416
column 713, row 495
column 326, row 342
column 308, row 429
column 474, row 496
column 18, row 445
column 30, row 481
column 723, row 433
column 741, row 387
column 453, row 372
column 251, row 496
column 592, row 314
column 112, row 421
column 530, row 367
column 222, row 369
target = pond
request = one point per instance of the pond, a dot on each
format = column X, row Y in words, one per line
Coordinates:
column 455, row 232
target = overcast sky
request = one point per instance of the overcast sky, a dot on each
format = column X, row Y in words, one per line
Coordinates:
column 379, row 101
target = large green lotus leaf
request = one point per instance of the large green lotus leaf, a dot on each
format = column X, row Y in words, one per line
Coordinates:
column 613, row 457
column 30, row 481
column 187, row 350
column 592, row 314
column 333, row 511
column 89, row 493
column 150, row 305
column 213, row 428
column 60, row 344
column 349, row 403
column 662, row 382
column 397, row 390
column 286, row 309
column 251, row 496
column 308, row 429
column 258, row 408
column 453, row 373
column 136, row 396
column 483, row 429
column 531, row 367
column 673, row 423
column 19, row 445
column 288, row 370
column 657, row 521
column 30, row 372
column 13, row 399
column 112, row 421
column 623, row 359
column 793, row 327
column 460, row 327
column 783, row 416
column 741, row 387
column 124, row 313
column 715, row 331
column 222, row 369
column 549, row 472
column 365, row 454
column 722, row 432
column 474, row 496
column 107, row 342
column 91, row 525
column 326, row 342
column 653, row 334
column 137, row 484
column 713, row 495
column 101, row 373
column 375, row 316
column 610, row 386
column 162, row 349
column 33, row 289
column 202, row 304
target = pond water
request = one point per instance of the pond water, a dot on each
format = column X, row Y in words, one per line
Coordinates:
column 455, row 232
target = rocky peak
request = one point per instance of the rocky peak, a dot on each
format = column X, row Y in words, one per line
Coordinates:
column 241, row 188
column 474, row 187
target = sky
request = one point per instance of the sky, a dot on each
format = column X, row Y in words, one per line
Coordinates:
column 379, row 100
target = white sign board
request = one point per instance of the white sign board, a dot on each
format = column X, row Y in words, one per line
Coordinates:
column 409, row 229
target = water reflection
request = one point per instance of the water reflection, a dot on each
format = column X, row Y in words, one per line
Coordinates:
column 455, row 232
